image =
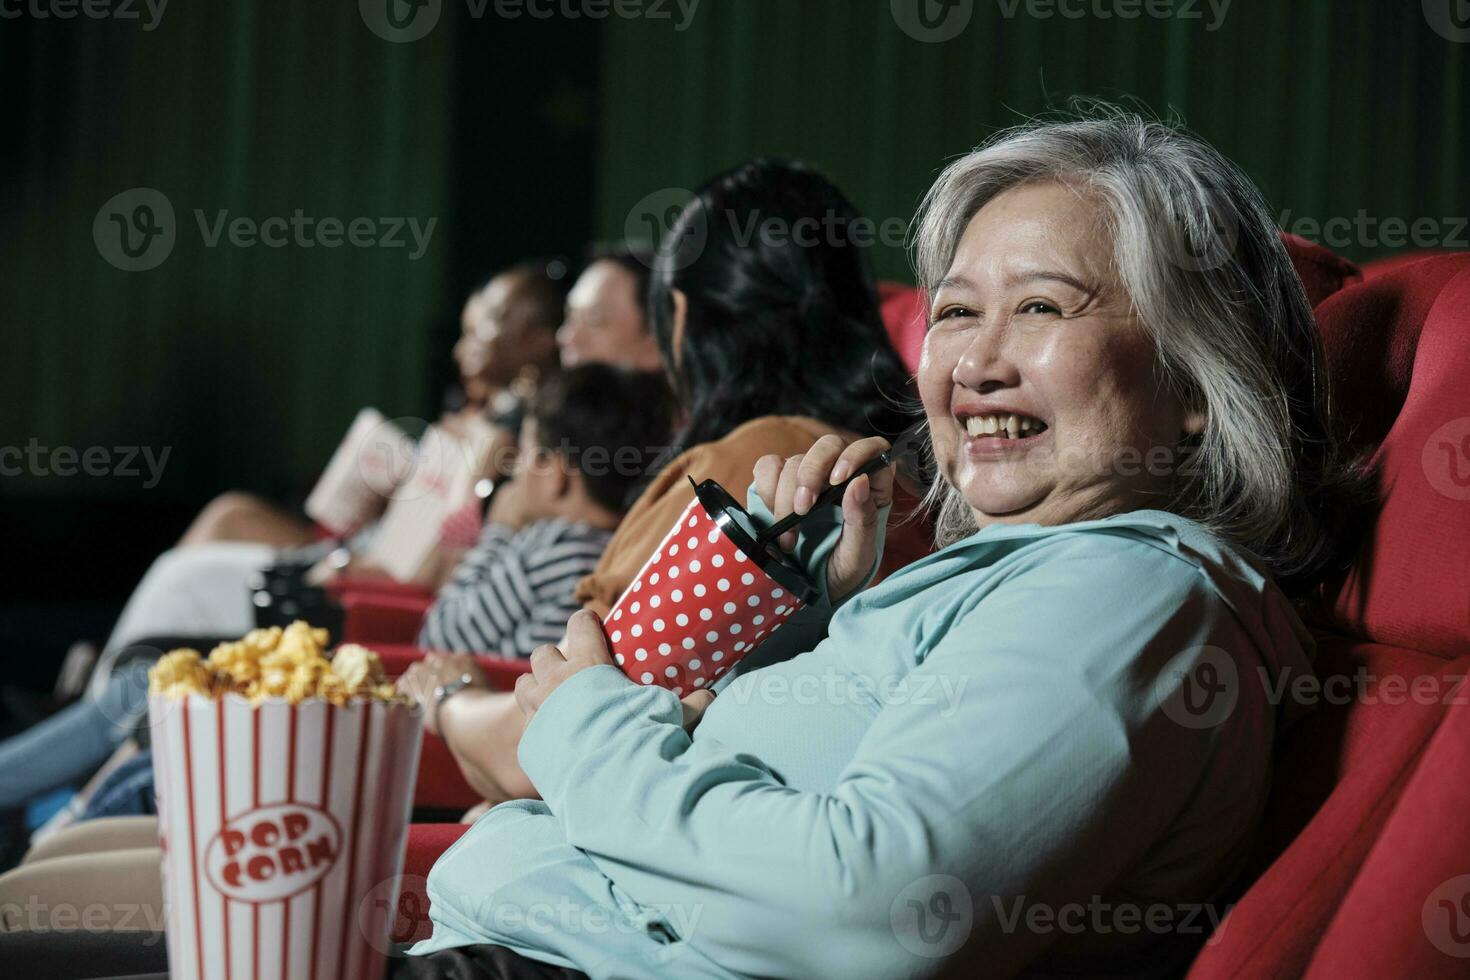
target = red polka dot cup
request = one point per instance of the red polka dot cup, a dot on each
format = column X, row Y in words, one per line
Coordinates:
column 706, row 598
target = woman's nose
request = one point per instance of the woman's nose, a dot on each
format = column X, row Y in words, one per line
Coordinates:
column 985, row 364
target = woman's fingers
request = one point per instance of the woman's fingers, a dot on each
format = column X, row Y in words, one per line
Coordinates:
column 857, row 548
column 767, row 473
column 543, row 658
column 693, row 707
column 814, row 470
column 525, row 694
column 786, row 496
column 586, row 643
column 856, row 454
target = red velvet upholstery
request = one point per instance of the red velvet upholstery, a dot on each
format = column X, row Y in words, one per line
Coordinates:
column 1347, row 895
column 1408, row 911
column 426, row 841
column 373, row 585
column 1321, row 270
column 374, row 618
column 1339, row 773
column 903, row 313
column 1398, row 348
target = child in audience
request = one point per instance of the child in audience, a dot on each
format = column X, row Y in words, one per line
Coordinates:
column 589, row 436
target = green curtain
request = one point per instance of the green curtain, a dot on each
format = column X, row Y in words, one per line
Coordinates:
column 1346, row 110
column 246, row 362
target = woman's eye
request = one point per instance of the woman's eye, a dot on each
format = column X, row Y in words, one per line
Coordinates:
column 1039, row 306
column 951, row 312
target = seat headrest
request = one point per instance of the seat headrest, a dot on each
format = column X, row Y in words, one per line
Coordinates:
column 1398, row 355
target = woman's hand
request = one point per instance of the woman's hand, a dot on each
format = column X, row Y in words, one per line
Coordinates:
column 585, row 646
column 792, row 485
column 435, row 670
column 693, row 706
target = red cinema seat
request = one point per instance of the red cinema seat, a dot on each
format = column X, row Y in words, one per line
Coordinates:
column 1366, row 820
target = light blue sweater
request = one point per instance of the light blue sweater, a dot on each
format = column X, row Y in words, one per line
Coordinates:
column 996, row 742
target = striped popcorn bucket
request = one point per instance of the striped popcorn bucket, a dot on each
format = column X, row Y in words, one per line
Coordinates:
column 280, row 825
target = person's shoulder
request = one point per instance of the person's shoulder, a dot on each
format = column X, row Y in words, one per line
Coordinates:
column 1156, row 544
column 558, row 530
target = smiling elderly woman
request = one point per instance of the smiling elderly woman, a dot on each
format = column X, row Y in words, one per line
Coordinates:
column 1061, row 711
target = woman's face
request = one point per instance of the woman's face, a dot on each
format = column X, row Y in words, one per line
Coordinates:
column 1038, row 379
column 499, row 336
column 605, row 321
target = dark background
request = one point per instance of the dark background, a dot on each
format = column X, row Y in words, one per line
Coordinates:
column 530, row 136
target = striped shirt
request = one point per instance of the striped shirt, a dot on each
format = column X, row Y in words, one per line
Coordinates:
column 512, row 592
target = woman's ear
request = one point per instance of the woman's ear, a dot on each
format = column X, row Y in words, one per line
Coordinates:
column 561, row 479
column 681, row 319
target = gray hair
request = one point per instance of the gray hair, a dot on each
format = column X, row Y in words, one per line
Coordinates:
column 1207, row 273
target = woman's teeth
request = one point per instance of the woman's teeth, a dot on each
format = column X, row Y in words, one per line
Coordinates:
column 1005, row 426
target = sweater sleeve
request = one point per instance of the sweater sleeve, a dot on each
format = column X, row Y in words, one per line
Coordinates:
column 1025, row 761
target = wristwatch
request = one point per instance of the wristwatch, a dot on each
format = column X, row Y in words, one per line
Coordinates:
column 444, row 692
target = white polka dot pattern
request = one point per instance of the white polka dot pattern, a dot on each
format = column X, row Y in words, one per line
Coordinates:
column 705, row 596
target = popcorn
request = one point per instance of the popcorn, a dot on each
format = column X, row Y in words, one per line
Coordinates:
column 283, row 809
column 291, row 664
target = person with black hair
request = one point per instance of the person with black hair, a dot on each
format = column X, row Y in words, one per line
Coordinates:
column 765, row 310
column 589, row 435
column 607, row 314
